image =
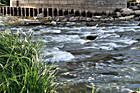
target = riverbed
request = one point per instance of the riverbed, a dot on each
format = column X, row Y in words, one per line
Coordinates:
column 108, row 64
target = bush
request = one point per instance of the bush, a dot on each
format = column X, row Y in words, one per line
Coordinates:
column 20, row 70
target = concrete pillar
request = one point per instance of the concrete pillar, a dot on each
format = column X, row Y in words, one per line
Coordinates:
column 50, row 11
column 45, row 12
column 4, row 10
column 8, row 10
column 23, row 12
column 66, row 13
column 35, row 11
column 89, row 14
column 83, row 14
column 12, row 11
column 40, row 10
column 76, row 13
column 26, row 11
column 31, row 12
column 61, row 12
column 19, row 9
column 55, row 12
column 71, row 12
column 15, row 11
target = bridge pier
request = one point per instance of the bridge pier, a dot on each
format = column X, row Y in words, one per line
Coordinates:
column 55, row 12
column 83, row 13
column 35, row 12
column 66, row 13
column 89, row 14
column 60, row 12
column 20, row 11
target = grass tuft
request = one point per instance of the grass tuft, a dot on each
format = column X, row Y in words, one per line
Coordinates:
column 21, row 71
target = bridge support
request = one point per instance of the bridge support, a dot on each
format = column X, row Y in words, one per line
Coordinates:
column 20, row 11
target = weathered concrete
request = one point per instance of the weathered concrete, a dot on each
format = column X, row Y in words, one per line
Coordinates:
column 83, row 5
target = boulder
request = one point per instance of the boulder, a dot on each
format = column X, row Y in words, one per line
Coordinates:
column 139, row 24
column 118, row 14
column 135, row 8
column 40, row 16
column 127, row 17
column 137, row 12
column 127, row 11
column 91, row 37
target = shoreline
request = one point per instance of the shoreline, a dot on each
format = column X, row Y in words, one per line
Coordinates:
column 53, row 21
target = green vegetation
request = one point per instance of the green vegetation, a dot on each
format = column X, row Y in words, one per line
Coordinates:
column 20, row 69
column 4, row 2
column 93, row 90
column 138, row 89
column 131, row 0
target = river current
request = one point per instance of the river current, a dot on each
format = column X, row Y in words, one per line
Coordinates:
column 110, row 63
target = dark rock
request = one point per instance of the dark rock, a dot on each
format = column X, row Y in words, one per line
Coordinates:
column 91, row 37
column 139, row 24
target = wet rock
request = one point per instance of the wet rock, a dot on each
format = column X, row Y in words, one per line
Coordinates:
column 139, row 24
column 53, row 23
column 135, row 8
column 72, row 19
column 118, row 14
column 127, row 11
column 127, row 17
column 135, row 92
column 109, row 73
column 33, row 23
column 40, row 16
column 91, row 37
column 137, row 12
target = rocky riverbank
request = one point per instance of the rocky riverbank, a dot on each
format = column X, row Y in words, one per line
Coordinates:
column 118, row 15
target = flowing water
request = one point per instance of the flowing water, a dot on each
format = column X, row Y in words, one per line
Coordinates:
column 110, row 63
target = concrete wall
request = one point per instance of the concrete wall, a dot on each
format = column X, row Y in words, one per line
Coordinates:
column 138, row 1
column 90, row 5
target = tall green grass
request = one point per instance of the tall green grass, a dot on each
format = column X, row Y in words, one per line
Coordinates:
column 20, row 69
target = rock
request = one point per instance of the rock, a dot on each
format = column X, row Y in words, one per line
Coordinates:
column 137, row 12
column 118, row 14
column 40, row 16
column 135, row 92
column 98, row 17
column 72, row 19
column 135, row 8
column 65, row 19
column 126, row 17
column 32, row 23
column 91, row 37
column 127, row 11
column 53, row 23
column 139, row 24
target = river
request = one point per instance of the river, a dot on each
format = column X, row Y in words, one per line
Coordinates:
column 110, row 63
